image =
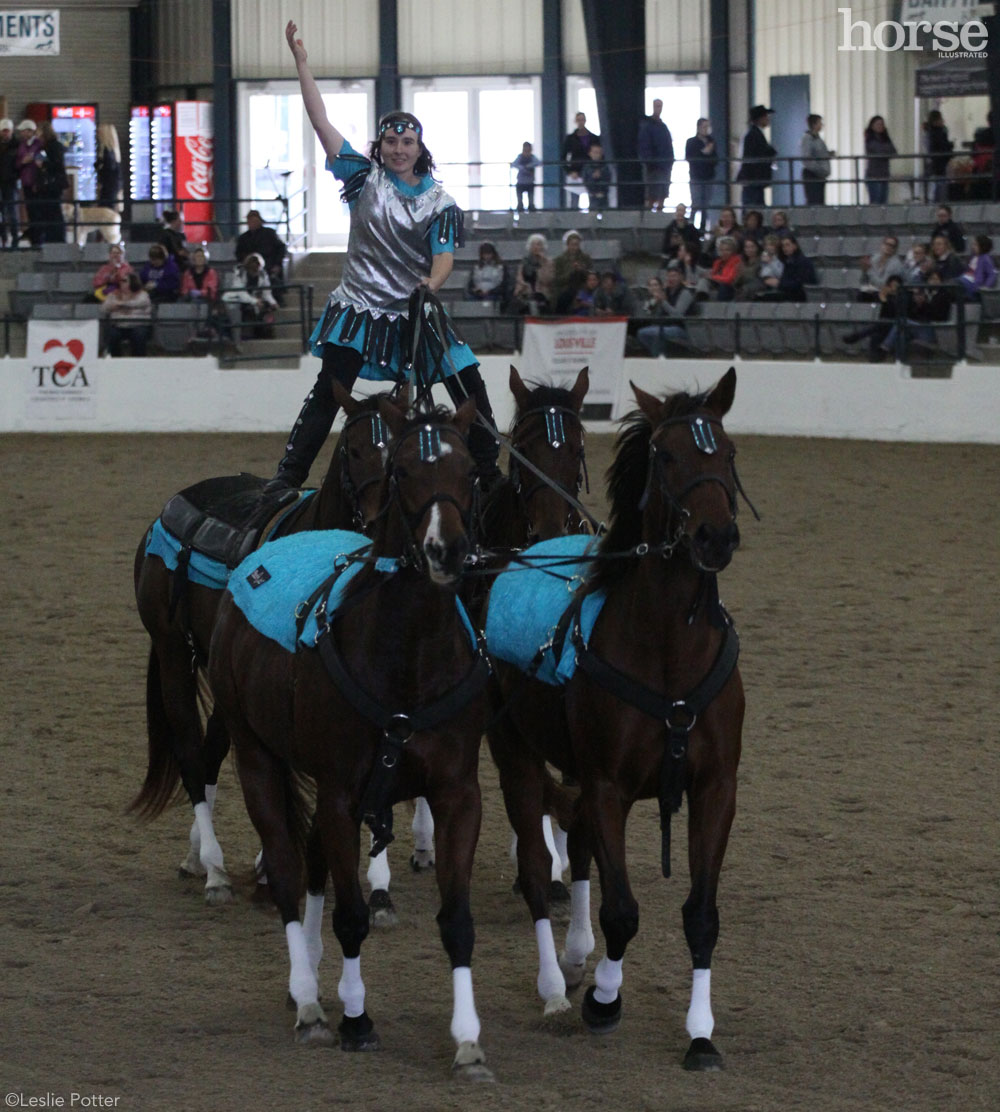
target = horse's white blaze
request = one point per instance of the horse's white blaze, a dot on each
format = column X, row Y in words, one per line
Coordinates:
column 464, row 1021
column 433, row 534
column 423, row 826
column 312, row 928
column 302, row 983
column 379, row 874
column 700, row 1021
column 607, row 980
column 580, row 936
column 551, row 982
column 351, row 988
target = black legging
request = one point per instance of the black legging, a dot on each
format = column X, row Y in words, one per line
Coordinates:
column 315, row 419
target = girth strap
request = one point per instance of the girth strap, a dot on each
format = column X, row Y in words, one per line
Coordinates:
column 679, row 715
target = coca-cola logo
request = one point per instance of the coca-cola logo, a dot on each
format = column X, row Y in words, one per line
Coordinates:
column 199, row 185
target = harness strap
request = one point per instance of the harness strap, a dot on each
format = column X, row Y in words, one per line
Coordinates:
column 679, row 715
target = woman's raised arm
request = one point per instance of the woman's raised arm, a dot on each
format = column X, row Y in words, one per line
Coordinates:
column 329, row 137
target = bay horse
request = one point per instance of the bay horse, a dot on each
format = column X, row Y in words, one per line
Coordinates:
column 178, row 606
column 654, row 708
column 385, row 702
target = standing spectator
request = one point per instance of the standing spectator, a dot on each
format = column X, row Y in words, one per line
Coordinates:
column 755, row 158
column 29, row 151
column 9, row 232
column 947, row 265
column 261, row 240
column 725, row 270
column 173, row 239
column 160, row 277
column 525, row 164
column 815, row 161
column 701, row 158
column 671, row 300
column 939, row 147
column 52, row 183
column 612, row 298
column 981, row 273
column 108, row 167
column 575, row 153
column 535, row 282
column 200, row 282
column 488, row 280
column 597, row 179
column 129, row 310
column 573, row 261
column 947, row 227
column 656, row 153
column 879, row 148
column 875, row 273
column 106, row 280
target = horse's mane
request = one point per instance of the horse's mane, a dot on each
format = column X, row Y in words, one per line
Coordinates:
column 626, row 482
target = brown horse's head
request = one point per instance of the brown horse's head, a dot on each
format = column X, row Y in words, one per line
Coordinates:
column 548, row 432
column 690, row 493
column 362, row 452
column 430, row 479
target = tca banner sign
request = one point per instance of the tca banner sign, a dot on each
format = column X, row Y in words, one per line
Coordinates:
column 63, row 360
column 555, row 349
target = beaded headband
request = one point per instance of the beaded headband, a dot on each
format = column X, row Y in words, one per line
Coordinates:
column 399, row 126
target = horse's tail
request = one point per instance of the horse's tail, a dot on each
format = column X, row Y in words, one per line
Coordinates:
column 560, row 800
column 163, row 771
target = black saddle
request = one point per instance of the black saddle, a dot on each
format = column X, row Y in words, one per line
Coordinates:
column 224, row 518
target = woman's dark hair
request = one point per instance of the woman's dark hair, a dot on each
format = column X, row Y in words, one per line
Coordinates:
column 133, row 281
column 985, row 244
column 871, row 133
column 934, row 119
column 491, row 248
column 157, row 251
column 792, row 240
column 400, row 122
column 757, row 216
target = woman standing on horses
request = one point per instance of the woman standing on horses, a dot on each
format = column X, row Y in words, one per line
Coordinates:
column 403, row 231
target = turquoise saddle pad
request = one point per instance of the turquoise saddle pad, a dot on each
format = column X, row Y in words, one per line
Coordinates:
column 201, row 569
column 528, row 600
column 273, row 582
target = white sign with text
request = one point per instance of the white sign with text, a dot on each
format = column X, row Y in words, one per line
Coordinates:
column 34, row 32
column 555, row 350
column 63, row 359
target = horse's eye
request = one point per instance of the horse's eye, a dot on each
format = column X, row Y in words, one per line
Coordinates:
column 354, row 453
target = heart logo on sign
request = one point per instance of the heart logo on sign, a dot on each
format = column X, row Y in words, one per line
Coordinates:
column 74, row 347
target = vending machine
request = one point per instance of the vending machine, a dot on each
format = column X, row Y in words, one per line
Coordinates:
column 76, row 126
column 171, row 161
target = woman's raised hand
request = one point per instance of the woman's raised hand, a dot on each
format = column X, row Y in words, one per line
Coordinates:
column 294, row 44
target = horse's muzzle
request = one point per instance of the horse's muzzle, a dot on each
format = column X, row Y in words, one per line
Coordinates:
column 446, row 560
column 712, row 548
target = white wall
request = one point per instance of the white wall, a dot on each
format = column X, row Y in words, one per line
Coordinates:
column 780, row 399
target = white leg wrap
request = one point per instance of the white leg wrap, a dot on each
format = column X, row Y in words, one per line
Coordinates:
column 700, row 1021
column 210, row 852
column 607, row 980
column 378, row 871
column 580, row 936
column 464, row 1021
column 550, row 845
column 560, row 837
column 551, row 982
column 423, row 826
column 312, row 928
column 351, row 989
column 301, row 979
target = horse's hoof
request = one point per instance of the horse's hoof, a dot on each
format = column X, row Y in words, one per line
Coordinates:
column 421, row 860
column 702, row 1055
column 219, row 896
column 357, row 1033
column 601, row 1019
column 558, row 892
column 556, row 1005
column 381, row 910
column 312, row 1029
column 573, row 974
column 470, row 1063
column 191, row 871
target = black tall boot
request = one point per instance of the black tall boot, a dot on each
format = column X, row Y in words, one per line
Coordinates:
column 485, row 448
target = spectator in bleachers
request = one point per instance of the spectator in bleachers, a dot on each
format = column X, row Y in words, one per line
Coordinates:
column 926, row 306
column 9, row 230
column 981, row 272
column 172, row 238
column 160, row 277
column 679, row 230
column 816, row 164
column 946, row 226
column 200, row 282
column 753, row 226
column 876, row 272
column 259, row 239
column 779, row 224
column 129, row 310
column 889, row 309
column 771, row 264
column 524, row 186
column 725, row 270
column 798, row 272
column 689, row 263
column 879, row 148
column 535, row 281
column 573, row 261
column 613, row 298
column 701, row 159
column 939, row 147
column 671, row 300
column 756, row 156
column 749, row 282
column 726, row 225
column 656, row 153
column 578, row 299
column 106, row 278
column 252, row 292
column 488, row 280
column 947, row 265
column 915, row 264
column 597, row 178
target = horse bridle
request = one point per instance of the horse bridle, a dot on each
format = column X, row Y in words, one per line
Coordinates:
column 555, row 434
column 381, row 439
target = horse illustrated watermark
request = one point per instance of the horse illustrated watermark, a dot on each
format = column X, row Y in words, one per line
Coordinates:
column 948, row 36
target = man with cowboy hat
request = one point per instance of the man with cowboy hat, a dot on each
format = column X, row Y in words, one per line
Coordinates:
column 755, row 158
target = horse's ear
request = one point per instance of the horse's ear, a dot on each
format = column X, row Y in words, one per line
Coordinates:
column 393, row 416
column 522, row 397
column 580, row 388
column 721, row 398
column 649, row 405
column 464, row 417
column 343, row 398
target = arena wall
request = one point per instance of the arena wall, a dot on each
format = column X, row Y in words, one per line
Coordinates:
column 778, row 399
